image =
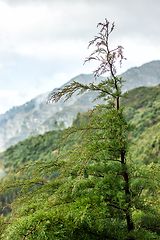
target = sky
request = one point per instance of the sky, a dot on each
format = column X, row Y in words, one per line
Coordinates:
column 43, row 43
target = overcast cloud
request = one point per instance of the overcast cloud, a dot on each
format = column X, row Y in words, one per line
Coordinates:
column 43, row 43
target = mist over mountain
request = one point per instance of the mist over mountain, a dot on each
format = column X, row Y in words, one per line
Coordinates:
column 36, row 117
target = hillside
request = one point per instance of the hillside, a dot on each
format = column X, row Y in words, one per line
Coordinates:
column 142, row 108
column 36, row 117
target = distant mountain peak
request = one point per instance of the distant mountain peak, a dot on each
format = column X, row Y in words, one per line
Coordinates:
column 36, row 116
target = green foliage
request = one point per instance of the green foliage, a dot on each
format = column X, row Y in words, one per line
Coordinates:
column 40, row 148
column 34, row 148
column 57, row 125
column 80, row 119
column 145, row 148
column 141, row 97
column 88, row 201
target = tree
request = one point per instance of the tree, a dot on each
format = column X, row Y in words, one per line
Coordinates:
column 111, row 91
column 99, row 192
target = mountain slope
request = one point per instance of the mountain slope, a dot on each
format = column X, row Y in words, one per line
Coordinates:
column 19, row 122
column 144, row 114
column 36, row 117
column 142, row 108
column 146, row 75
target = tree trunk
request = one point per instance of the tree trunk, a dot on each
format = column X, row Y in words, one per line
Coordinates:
column 127, row 194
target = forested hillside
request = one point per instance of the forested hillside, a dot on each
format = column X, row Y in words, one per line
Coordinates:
column 142, row 107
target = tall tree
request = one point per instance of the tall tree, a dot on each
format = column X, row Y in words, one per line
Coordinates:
column 111, row 91
column 104, row 147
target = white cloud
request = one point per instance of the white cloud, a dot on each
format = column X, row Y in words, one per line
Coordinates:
column 8, row 99
column 43, row 26
column 12, row 98
column 43, row 43
column 64, row 50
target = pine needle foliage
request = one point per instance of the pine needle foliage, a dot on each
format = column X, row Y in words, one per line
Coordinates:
column 99, row 193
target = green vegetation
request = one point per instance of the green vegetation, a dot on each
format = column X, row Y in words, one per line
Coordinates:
column 39, row 148
column 142, row 108
column 145, row 138
column 141, row 97
column 104, row 182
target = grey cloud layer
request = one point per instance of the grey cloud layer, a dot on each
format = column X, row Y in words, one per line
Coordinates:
column 49, row 38
column 78, row 19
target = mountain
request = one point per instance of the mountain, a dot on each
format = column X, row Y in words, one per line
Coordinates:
column 142, row 108
column 36, row 117
column 146, row 75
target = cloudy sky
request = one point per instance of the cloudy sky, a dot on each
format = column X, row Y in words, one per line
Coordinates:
column 43, row 43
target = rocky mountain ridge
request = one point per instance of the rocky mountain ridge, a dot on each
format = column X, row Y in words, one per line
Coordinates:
column 36, row 117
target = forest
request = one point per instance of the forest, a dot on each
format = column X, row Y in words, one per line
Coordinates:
column 99, row 178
